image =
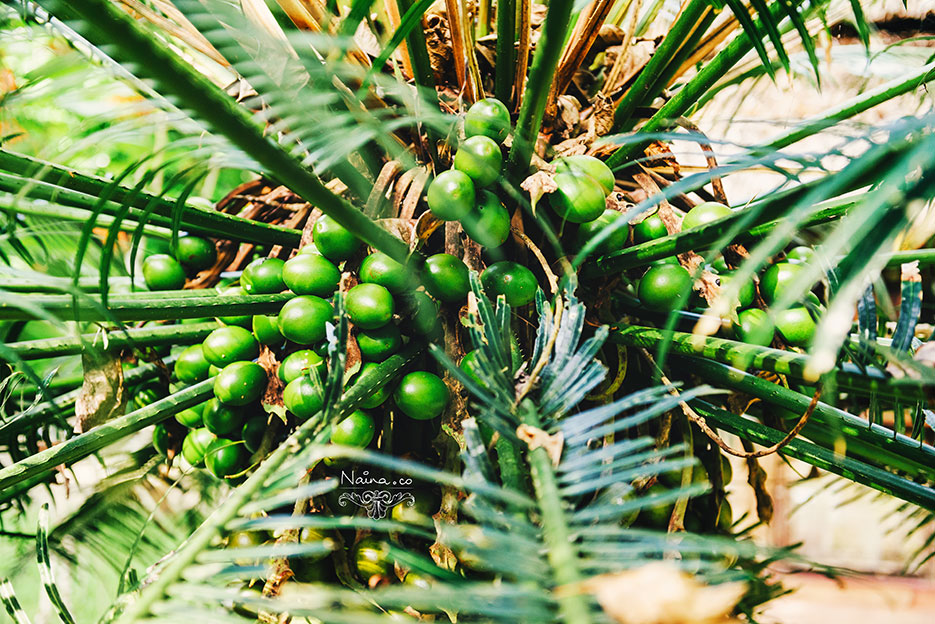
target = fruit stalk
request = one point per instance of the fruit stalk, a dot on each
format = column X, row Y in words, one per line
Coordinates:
column 561, row 552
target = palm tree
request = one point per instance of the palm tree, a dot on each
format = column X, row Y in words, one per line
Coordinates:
column 586, row 434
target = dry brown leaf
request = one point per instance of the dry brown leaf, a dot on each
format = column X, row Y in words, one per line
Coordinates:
column 102, row 396
column 636, row 57
column 568, row 116
column 537, row 185
column 425, row 227
column 660, row 593
column 603, row 115
column 535, row 438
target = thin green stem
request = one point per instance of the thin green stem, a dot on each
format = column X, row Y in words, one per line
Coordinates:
column 41, row 412
column 704, row 237
column 157, row 306
column 19, row 205
column 875, row 443
column 557, row 535
column 100, row 437
column 827, row 459
column 688, row 95
column 548, row 52
column 114, row 340
column 746, row 356
column 506, row 51
column 649, row 83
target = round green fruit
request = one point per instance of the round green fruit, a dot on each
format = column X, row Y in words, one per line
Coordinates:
column 263, row 277
column 298, row 363
column 446, row 278
column 470, row 365
column 747, row 291
column 163, row 272
column 590, row 166
column 511, row 279
column 754, row 327
column 579, row 198
column 311, row 274
column 609, row 218
column 244, row 321
column 191, row 365
column 191, row 417
column 356, row 430
column 196, row 253
column 777, row 278
column 725, row 517
column 302, row 397
column 378, row 344
column 225, row 457
column 488, row 117
column 226, row 345
column 252, row 433
column 195, row 444
column 451, row 195
column 221, row 419
column 659, row 514
column 378, row 396
column 479, row 157
column 796, row 326
column 421, row 395
column 371, row 558
column 419, row 511
column 801, row 254
column 665, row 287
column 310, row 248
column 704, row 213
column 369, row 306
column 303, row 319
column 240, row 383
column 161, row 439
column 379, row 268
column 422, row 311
column 266, row 330
column 489, row 223
column 333, row 240
column 650, row 228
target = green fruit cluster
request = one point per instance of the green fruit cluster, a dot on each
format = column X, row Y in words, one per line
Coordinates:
column 666, row 286
column 460, row 194
column 164, row 271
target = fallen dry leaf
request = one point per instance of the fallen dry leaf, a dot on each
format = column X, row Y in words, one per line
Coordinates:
column 660, row 593
column 102, row 395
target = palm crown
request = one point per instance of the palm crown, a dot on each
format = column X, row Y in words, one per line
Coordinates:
column 536, row 357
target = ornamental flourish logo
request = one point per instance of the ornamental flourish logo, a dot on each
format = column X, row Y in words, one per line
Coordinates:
column 376, row 494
